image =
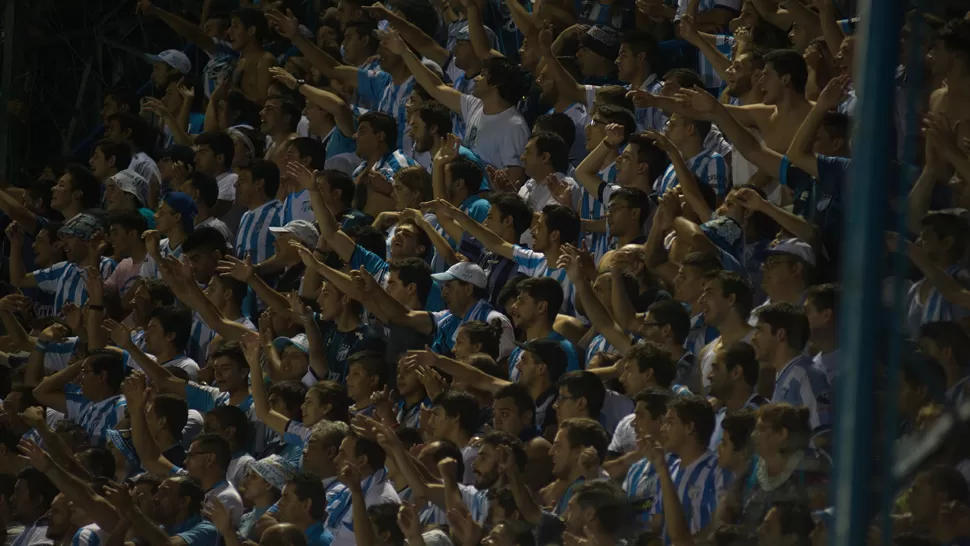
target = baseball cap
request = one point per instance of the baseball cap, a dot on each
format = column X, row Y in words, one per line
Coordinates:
column 304, row 231
column 464, row 35
column 183, row 204
column 548, row 350
column 794, row 247
column 434, row 67
column 177, row 152
column 83, row 226
column 274, row 469
column 174, row 58
column 131, row 182
column 602, row 41
column 464, row 271
column 299, row 341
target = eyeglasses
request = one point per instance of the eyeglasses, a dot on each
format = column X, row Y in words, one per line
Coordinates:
column 189, row 454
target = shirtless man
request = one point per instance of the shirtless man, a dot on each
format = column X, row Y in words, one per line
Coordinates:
column 784, row 109
column 951, row 52
column 246, row 34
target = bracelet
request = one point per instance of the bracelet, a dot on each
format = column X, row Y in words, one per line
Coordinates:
column 96, row 307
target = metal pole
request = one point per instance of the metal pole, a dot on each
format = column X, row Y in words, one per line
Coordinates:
column 9, row 45
column 877, row 48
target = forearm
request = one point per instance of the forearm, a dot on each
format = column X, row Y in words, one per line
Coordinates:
column 801, row 150
column 468, row 374
column 949, row 287
column 770, row 12
column 18, row 276
column 317, row 347
column 273, row 299
column 147, row 449
column 688, row 184
column 424, row 44
column 187, row 30
column 746, row 143
column 326, row 64
column 618, row 467
column 211, row 122
column 34, row 371
column 160, row 377
column 600, row 317
column 524, row 500
column 622, row 305
column 18, row 212
column 488, row 238
column 340, row 242
column 343, row 116
column 64, row 460
column 587, row 173
column 441, row 245
column 148, row 530
column 806, row 18
column 718, row 60
column 830, row 29
column 792, row 223
column 564, row 80
column 919, row 199
column 692, row 234
column 16, row 331
column 674, row 518
column 476, row 31
column 364, row 534
column 522, row 19
column 55, row 383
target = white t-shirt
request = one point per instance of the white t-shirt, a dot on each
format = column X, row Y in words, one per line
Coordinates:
column 227, row 186
column 499, row 139
column 229, row 497
column 218, row 224
column 624, row 438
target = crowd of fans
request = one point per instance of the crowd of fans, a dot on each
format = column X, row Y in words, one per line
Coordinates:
column 450, row 272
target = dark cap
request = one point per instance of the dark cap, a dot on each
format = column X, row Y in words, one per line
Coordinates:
column 177, row 152
column 547, row 350
column 603, row 41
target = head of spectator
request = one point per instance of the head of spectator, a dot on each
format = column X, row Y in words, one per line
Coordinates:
column 476, row 336
column 455, row 416
column 321, row 449
column 430, row 127
column 734, row 374
column 214, row 153
column 688, row 426
column 822, row 310
column 283, row 534
column 101, row 375
column 556, row 123
column 175, row 217
column 744, row 74
column 549, row 92
column 366, row 456
column 650, row 408
column 575, row 436
column 637, row 57
column 513, row 410
column 309, row 152
column 727, row 300
column 943, row 237
column 784, row 76
column 545, row 154
column 581, row 394
column 124, row 234
column 32, row 495
column 126, row 190
column 509, row 216
column 208, row 458
column 176, row 154
column 462, row 285
column 782, row 430
column 78, row 189
column 947, row 343
column 537, row 305
column 81, row 236
column 376, row 135
column 59, row 524
column 787, row 269
column 178, row 498
column 149, row 294
column 247, row 29
column 541, row 365
column 627, row 213
column 109, row 158
column 555, row 226
column 834, row 135
column 932, row 489
column 279, row 117
column 501, row 82
column 166, row 417
column 667, row 323
column 647, row 364
column 168, row 331
column 598, row 51
column 265, row 480
column 411, row 187
column 692, row 276
column 258, row 182
column 118, row 100
column 494, row 446
column 464, row 180
column 781, row 334
column 599, row 510
column 640, row 163
column 231, row 423
column 923, row 382
column 359, row 43
column 366, row 374
column 736, row 448
column 131, row 129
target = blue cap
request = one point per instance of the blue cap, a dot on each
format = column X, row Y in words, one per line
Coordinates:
column 183, row 204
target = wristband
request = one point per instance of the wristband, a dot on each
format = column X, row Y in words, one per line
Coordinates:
column 96, row 307
column 299, row 84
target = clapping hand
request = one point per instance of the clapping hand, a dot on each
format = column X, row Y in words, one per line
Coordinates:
column 560, row 190
column 240, row 270
column 286, row 25
column 831, row 96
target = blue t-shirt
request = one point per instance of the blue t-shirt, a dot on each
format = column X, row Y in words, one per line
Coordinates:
column 195, row 532
column 341, row 345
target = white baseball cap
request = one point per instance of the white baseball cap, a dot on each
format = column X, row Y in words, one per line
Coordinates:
column 174, row 58
column 794, row 247
column 304, row 231
column 131, row 182
column 464, row 271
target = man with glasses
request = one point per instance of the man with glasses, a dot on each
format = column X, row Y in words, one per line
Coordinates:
column 786, row 272
column 626, row 217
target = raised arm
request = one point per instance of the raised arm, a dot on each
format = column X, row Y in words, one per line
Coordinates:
column 17, row 212
column 441, row 245
column 469, row 375
column 289, row 28
column 687, row 181
column 790, row 222
column 488, row 238
column 770, row 12
column 718, row 60
column 830, row 25
column 587, row 173
column 343, row 116
column 427, row 79
column 178, row 274
column 425, row 45
column 801, row 151
column 264, row 412
column 161, row 378
column 183, row 28
column 692, row 234
column 339, row 242
column 18, row 276
column 50, row 392
column 563, row 80
column 71, row 485
column 476, row 31
column 245, row 271
column 149, row 453
column 598, row 314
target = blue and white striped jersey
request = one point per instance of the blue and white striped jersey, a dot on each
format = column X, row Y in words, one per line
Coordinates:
column 377, row 87
column 65, row 280
column 700, row 335
column 935, row 308
column 477, row 208
column 723, row 43
column 698, row 487
column 410, row 416
column 572, row 358
column 388, row 165
column 254, row 237
column 149, row 269
column 95, row 417
column 296, row 206
column 429, row 514
column 591, row 208
column 708, row 168
column 89, row 535
column 580, row 117
column 476, row 500
column 447, row 324
column 642, row 485
column 599, row 344
column 753, row 403
column 801, row 385
column 377, row 490
column 200, row 336
column 534, row 264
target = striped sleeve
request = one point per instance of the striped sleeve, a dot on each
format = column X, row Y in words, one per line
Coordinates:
column 75, row 401
column 476, row 501
column 47, row 278
column 58, row 355
column 86, row 537
column 713, row 172
column 200, row 397
column 529, row 262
